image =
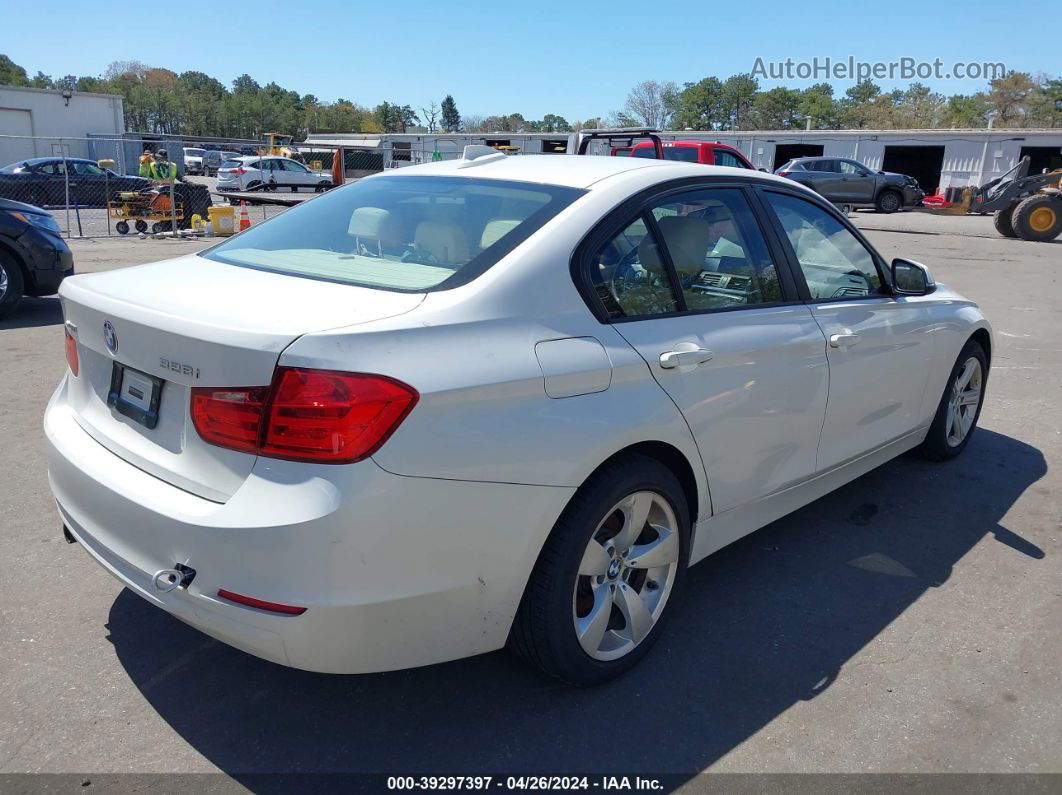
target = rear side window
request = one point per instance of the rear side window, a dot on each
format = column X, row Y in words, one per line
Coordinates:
column 402, row 233
column 687, row 154
column 693, row 251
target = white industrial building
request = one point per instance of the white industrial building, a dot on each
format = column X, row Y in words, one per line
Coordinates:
column 936, row 158
column 33, row 120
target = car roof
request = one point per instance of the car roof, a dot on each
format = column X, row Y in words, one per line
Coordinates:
column 575, row 171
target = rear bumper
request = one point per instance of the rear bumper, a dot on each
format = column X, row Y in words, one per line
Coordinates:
column 395, row 571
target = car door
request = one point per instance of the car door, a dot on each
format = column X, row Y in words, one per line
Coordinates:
column 879, row 345
column 828, row 180
column 49, row 183
column 858, row 182
column 691, row 281
column 296, row 175
column 91, row 183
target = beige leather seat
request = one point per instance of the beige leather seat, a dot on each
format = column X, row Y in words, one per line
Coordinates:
column 442, row 241
column 376, row 229
column 687, row 239
column 496, row 229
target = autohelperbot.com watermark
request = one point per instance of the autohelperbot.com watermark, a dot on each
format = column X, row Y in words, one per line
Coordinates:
column 850, row 68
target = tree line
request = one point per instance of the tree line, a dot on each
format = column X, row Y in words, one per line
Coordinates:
column 194, row 104
column 1016, row 99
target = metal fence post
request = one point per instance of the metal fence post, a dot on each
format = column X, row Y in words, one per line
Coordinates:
column 66, row 185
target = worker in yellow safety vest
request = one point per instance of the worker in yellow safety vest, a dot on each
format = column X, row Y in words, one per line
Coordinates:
column 162, row 170
column 146, row 160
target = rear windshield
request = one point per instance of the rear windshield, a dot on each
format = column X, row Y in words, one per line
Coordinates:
column 189, row 152
column 402, row 233
column 685, row 153
column 231, row 164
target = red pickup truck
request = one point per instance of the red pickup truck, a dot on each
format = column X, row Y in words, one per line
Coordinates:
column 710, row 154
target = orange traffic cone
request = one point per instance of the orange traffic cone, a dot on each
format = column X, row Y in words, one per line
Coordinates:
column 245, row 219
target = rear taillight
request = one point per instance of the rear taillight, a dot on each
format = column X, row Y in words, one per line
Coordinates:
column 71, row 352
column 305, row 415
column 238, row 171
column 783, row 173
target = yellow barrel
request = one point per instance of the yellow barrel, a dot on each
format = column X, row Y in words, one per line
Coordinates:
column 222, row 219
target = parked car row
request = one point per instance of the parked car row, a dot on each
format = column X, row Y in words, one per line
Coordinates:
column 205, row 162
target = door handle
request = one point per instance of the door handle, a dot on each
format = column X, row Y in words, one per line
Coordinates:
column 843, row 340
column 685, row 356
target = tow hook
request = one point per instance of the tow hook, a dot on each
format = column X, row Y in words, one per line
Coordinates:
column 180, row 576
column 68, row 535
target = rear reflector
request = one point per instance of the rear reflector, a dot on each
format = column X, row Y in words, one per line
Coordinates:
column 305, row 415
column 71, row 352
column 272, row 607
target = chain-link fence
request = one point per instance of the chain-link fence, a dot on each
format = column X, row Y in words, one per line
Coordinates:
column 99, row 186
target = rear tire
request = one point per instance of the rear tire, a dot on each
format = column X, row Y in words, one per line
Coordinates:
column 1004, row 221
column 1038, row 217
column 956, row 419
column 11, row 284
column 566, row 593
column 889, row 201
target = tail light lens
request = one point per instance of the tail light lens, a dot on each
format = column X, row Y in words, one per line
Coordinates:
column 305, row 415
column 238, row 171
column 783, row 173
column 71, row 352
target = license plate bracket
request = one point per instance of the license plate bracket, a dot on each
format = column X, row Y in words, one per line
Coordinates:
column 135, row 394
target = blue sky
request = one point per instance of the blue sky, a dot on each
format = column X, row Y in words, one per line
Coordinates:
column 575, row 59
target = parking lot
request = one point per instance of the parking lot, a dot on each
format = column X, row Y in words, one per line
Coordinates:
column 868, row 632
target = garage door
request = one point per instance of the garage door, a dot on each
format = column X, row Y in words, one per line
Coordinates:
column 14, row 121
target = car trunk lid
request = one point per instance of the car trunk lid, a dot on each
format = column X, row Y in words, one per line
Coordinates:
column 194, row 322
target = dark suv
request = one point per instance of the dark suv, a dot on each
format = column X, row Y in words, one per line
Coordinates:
column 849, row 182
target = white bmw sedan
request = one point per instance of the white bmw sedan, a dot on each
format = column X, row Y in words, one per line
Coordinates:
column 493, row 401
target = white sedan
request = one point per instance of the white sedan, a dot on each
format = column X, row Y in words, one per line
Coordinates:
column 492, row 401
column 253, row 173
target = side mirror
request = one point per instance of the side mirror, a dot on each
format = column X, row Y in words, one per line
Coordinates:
column 761, row 168
column 911, row 278
column 882, row 173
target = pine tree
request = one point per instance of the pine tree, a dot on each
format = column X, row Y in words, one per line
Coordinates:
column 451, row 119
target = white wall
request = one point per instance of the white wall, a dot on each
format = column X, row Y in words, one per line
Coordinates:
column 46, row 114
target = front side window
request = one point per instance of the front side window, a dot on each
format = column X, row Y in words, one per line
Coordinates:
column 693, row 251
column 87, row 169
column 402, row 233
column 848, row 167
column 834, row 261
column 724, row 158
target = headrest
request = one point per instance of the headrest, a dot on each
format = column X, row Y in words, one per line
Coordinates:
column 376, row 224
column 443, row 241
column 687, row 239
column 496, row 229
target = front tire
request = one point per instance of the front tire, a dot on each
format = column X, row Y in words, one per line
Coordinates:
column 1038, row 217
column 11, row 285
column 889, row 201
column 1004, row 221
column 608, row 574
column 960, row 406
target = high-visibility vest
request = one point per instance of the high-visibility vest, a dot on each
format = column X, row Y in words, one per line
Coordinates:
column 145, row 166
column 163, row 172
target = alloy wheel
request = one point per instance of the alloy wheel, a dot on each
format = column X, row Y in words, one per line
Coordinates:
column 964, row 401
column 3, row 281
column 626, row 575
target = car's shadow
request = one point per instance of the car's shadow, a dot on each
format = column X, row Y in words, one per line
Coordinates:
column 764, row 624
column 34, row 312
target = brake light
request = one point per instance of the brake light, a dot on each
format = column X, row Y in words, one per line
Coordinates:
column 783, row 173
column 237, row 171
column 71, row 352
column 305, row 415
